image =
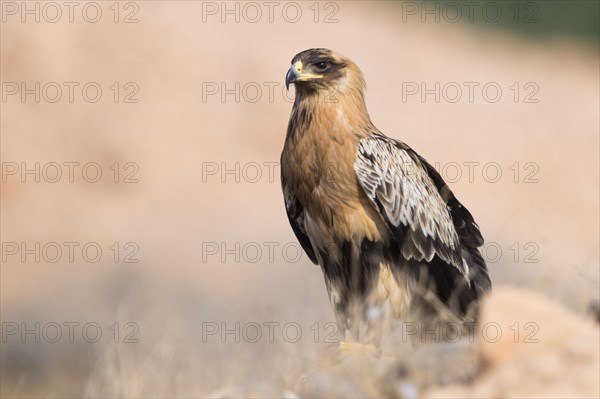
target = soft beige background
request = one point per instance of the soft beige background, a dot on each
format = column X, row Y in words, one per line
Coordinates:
column 172, row 134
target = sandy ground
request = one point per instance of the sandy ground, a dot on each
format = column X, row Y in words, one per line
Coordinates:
column 196, row 205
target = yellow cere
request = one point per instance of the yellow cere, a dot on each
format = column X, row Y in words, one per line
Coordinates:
column 304, row 76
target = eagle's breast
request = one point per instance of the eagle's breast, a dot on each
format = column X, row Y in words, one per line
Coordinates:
column 318, row 162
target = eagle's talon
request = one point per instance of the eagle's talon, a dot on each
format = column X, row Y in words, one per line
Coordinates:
column 353, row 348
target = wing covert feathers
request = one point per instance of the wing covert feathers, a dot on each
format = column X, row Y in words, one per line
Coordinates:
column 415, row 203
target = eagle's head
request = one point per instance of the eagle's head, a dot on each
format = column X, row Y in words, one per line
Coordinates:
column 319, row 69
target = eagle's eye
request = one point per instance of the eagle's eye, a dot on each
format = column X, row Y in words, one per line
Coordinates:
column 321, row 66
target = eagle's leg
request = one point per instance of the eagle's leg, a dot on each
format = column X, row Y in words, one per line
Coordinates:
column 347, row 320
column 356, row 341
column 358, row 282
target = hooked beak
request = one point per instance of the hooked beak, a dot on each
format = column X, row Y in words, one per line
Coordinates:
column 293, row 74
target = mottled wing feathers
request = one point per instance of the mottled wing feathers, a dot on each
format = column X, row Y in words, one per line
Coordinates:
column 467, row 230
column 295, row 215
column 411, row 201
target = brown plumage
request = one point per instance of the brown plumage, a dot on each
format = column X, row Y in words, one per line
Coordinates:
column 392, row 240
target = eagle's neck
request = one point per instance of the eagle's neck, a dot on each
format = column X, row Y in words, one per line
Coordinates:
column 335, row 111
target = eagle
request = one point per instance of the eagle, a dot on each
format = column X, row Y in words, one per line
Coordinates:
column 393, row 242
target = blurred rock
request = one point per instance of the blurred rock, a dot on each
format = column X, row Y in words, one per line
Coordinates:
column 543, row 350
column 443, row 363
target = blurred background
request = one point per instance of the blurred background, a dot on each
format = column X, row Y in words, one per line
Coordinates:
column 145, row 246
